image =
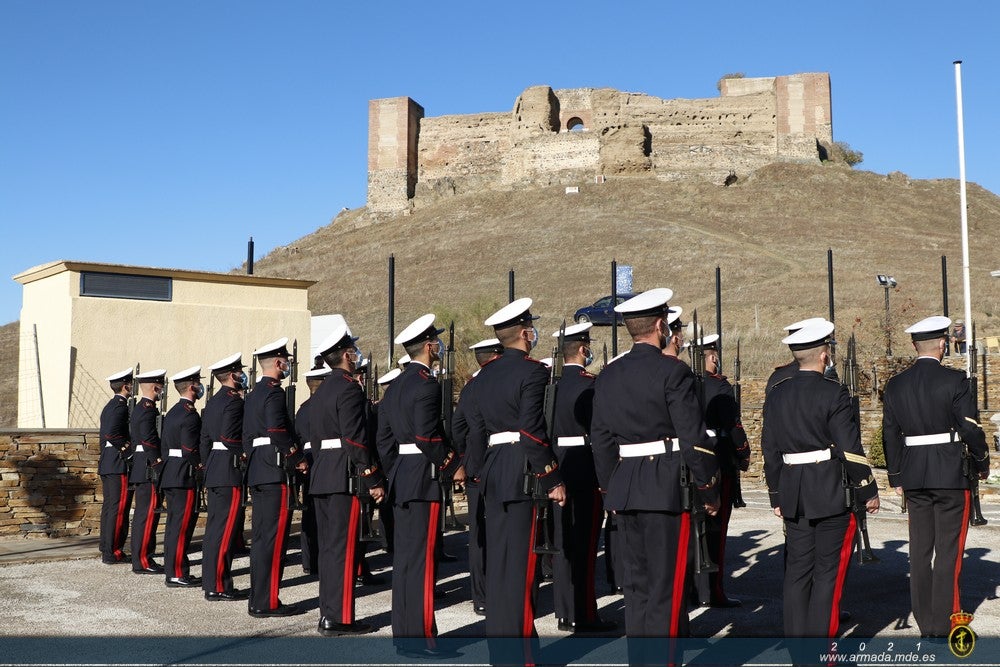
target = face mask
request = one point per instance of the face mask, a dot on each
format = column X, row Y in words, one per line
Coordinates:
column 588, row 359
column 242, row 382
column 829, row 363
column 199, row 392
column 534, row 341
column 440, row 349
column 157, row 391
column 286, row 371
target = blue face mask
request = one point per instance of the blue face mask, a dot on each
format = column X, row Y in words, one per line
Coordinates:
column 534, row 341
column 199, row 392
column 589, row 358
column 242, row 382
column 286, row 371
column 440, row 349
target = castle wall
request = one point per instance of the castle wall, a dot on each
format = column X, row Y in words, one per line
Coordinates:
column 571, row 135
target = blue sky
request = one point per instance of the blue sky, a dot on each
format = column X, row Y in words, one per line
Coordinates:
column 166, row 134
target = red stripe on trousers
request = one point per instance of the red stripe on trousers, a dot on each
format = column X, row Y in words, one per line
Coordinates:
column 956, row 603
column 725, row 510
column 279, row 543
column 181, row 551
column 595, row 528
column 144, row 559
column 347, row 601
column 116, row 546
column 846, row 549
column 432, row 526
column 680, row 574
column 227, row 538
column 529, row 579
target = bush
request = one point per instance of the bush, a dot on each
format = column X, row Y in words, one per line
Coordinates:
column 731, row 75
column 876, row 455
column 848, row 154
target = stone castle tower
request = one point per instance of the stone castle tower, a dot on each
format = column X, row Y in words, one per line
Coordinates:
column 576, row 135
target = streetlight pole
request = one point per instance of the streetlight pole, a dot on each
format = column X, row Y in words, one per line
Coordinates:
column 887, row 282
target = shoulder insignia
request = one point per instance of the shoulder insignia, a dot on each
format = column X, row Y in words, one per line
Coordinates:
column 536, row 361
column 856, row 458
column 424, row 374
column 189, row 407
column 587, row 374
column 970, row 419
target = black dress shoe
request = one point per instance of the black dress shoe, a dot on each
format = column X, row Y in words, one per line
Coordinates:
column 226, row 596
column 329, row 628
column 618, row 590
column 725, row 603
column 479, row 609
column 369, row 580
column 116, row 560
column 280, row 610
column 565, row 625
column 183, row 582
column 152, row 569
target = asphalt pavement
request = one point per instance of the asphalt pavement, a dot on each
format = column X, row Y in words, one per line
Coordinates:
column 62, row 605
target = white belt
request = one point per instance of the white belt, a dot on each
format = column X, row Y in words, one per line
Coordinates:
column 260, row 442
column 932, row 439
column 409, row 448
column 332, row 443
column 176, row 453
column 572, row 441
column 140, row 448
column 710, row 432
column 505, row 438
column 799, row 458
column 649, row 448
column 219, row 446
column 307, row 445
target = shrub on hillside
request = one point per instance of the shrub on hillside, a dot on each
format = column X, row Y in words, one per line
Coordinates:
column 876, row 455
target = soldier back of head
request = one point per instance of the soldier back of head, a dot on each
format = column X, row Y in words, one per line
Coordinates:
column 511, row 323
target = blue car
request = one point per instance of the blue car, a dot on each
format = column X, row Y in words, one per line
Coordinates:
column 602, row 311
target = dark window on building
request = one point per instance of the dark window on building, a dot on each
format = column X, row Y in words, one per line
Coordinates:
column 123, row 286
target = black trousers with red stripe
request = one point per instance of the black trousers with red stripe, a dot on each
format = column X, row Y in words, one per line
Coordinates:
column 414, row 569
column 338, row 520
column 655, row 555
column 182, row 515
column 269, row 530
column 512, row 570
column 477, row 543
column 220, row 538
column 939, row 522
column 144, row 523
column 710, row 586
column 818, row 555
column 577, row 526
column 114, row 514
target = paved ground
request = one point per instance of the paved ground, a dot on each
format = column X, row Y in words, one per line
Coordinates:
column 60, row 603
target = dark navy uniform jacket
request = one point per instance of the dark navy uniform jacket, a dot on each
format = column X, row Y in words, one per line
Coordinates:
column 222, row 421
column 302, row 429
column 266, row 417
column 181, row 431
column 781, row 373
column 142, row 429
column 643, row 397
column 809, row 413
column 925, row 399
column 722, row 414
column 573, row 413
column 114, row 430
column 413, row 416
column 338, row 411
column 509, row 396
column 472, row 453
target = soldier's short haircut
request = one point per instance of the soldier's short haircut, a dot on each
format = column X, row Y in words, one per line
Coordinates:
column 313, row 383
column 183, row 385
column 482, row 356
column 572, row 347
column 641, row 326
column 333, row 358
column 222, row 376
column 927, row 346
column 810, row 355
column 509, row 335
column 413, row 349
column 117, row 385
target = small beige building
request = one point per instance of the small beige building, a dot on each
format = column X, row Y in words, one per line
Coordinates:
column 81, row 322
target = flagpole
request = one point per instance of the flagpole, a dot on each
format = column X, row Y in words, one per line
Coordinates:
column 965, row 219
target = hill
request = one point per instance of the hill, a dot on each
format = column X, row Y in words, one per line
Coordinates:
column 768, row 234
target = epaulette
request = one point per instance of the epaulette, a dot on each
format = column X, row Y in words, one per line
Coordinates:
column 836, row 382
column 782, row 380
column 537, row 361
column 425, row 375
column 587, row 374
column 189, row 407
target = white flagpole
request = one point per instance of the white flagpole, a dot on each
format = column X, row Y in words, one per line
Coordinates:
column 965, row 220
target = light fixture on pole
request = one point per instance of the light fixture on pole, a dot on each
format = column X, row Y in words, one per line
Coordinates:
column 887, row 282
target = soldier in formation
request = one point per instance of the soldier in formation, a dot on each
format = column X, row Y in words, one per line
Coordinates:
column 113, row 467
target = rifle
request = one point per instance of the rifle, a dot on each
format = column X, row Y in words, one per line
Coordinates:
column 449, row 521
column 242, row 464
column 738, row 392
column 253, row 374
column 689, row 492
column 355, row 486
column 605, row 362
column 545, row 536
column 211, row 387
column 152, row 474
column 131, row 406
column 200, row 492
column 858, row 509
column 291, row 476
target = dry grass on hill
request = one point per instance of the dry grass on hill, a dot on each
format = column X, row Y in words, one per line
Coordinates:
column 769, row 234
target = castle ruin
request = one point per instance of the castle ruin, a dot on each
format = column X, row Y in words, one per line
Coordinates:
column 582, row 134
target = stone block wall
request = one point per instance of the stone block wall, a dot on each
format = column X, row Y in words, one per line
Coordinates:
column 573, row 135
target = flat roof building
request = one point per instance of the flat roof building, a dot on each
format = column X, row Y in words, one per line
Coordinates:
column 81, row 322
